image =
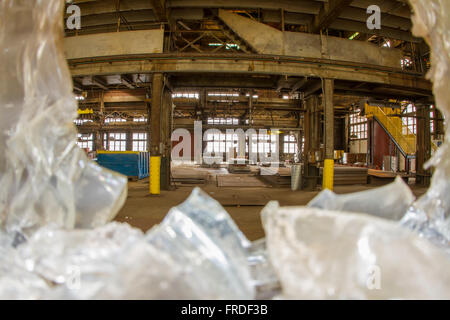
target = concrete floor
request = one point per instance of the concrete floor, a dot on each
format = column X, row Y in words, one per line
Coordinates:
column 144, row 211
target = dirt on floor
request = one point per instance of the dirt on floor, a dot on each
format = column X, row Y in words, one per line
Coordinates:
column 143, row 211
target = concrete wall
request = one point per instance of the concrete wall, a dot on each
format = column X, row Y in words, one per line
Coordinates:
column 114, row 44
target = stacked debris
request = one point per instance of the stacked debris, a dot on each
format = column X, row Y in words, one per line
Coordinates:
column 345, row 175
column 238, row 168
column 277, row 177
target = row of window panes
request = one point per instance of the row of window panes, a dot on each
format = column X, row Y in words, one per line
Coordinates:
column 224, row 146
column 355, row 118
column 139, row 141
column 289, row 138
column 85, row 141
column 190, row 95
column 358, row 131
column 79, row 122
column 409, row 123
column 290, row 144
column 115, row 141
column 431, row 121
column 230, row 121
column 114, row 120
column 221, row 137
column 290, row 148
column 223, row 142
column 223, row 94
column 118, row 141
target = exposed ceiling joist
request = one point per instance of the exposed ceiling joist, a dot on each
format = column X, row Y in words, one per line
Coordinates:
column 99, row 83
column 126, row 82
column 361, row 27
column 328, row 13
column 159, row 9
column 298, row 85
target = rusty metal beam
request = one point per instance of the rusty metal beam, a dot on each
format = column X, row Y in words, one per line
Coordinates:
column 159, row 9
column 249, row 64
column 328, row 13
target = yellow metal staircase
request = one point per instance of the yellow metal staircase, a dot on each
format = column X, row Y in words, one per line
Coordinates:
column 405, row 140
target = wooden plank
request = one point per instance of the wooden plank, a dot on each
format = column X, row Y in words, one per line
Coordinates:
column 239, row 180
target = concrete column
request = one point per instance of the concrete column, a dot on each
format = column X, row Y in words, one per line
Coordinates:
column 161, row 129
column 98, row 134
column 312, row 142
column 281, row 143
column 328, row 108
column 156, row 102
column 148, row 127
column 423, row 152
column 438, row 123
column 165, row 134
column 129, row 145
column 97, row 143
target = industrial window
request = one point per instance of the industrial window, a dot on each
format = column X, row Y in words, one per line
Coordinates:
column 406, row 62
column 216, row 142
column 266, row 143
column 221, row 142
column 85, row 141
column 231, row 141
column 139, row 141
column 432, row 115
column 409, row 123
column 358, row 127
column 114, row 120
column 140, row 119
column 229, row 121
column 189, row 95
column 223, row 94
column 290, row 144
column 115, row 141
column 79, row 122
column 228, row 46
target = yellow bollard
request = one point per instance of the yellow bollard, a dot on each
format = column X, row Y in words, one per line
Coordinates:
column 328, row 172
column 155, row 173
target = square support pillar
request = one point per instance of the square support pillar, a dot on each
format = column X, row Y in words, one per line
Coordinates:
column 328, row 108
column 312, row 142
column 155, row 114
column 161, row 130
column 423, row 153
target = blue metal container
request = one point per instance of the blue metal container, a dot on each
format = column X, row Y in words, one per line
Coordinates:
column 129, row 163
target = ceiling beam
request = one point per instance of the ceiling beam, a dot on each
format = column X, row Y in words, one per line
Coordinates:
column 328, row 13
column 159, row 9
column 99, row 83
column 361, row 27
column 300, row 6
column 299, row 84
